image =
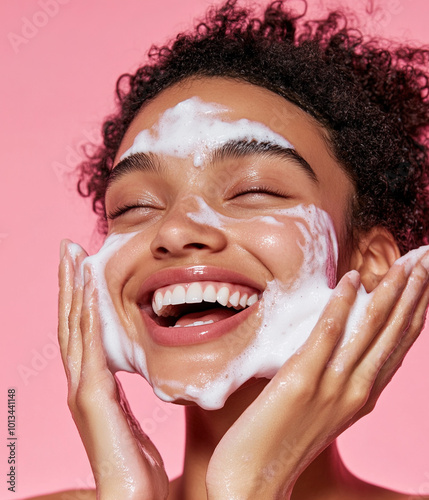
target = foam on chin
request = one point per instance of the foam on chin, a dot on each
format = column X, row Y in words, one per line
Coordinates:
column 285, row 319
column 287, row 313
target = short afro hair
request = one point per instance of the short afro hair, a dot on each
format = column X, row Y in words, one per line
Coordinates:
column 371, row 98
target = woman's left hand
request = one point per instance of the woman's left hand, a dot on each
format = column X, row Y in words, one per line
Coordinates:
column 323, row 389
column 125, row 463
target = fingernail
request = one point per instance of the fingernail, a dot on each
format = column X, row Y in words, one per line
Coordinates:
column 425, row 261
column 87, row 273
column 63, row 246
column 354, row 278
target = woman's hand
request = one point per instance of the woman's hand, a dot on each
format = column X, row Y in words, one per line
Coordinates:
column 125, row 463
column 323, row 389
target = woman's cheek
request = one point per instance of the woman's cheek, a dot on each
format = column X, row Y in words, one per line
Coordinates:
column 122, row 274
column 276, row 242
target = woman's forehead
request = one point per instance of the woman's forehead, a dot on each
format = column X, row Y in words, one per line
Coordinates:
column 233, row 100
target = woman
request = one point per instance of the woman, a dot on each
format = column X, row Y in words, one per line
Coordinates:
column 251, row 163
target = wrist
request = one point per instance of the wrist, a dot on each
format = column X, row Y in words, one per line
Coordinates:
column 263, row 485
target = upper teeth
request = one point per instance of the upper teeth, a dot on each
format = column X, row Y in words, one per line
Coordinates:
column 197, row 292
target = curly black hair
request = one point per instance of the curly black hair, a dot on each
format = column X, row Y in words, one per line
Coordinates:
column 371, row 98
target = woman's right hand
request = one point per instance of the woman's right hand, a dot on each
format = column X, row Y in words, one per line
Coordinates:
column 124, row 461
column 324, row 388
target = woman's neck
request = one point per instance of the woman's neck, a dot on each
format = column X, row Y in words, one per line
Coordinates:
column 204, row 430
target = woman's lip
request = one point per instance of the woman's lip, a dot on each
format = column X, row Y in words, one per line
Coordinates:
column 175, row 275
column 191, row 335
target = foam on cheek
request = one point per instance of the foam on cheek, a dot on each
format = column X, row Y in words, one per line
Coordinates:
column 288, row 312
column 195, row 128
column 209, row 217
column 121, row 353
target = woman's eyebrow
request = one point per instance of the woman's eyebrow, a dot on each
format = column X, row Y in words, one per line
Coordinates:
column 148, row 162
column 137, row 162
column 241, row 148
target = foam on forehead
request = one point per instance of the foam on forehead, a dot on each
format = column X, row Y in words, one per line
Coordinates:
column 194, row 127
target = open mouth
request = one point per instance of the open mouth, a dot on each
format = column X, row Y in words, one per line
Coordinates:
column 199, row 303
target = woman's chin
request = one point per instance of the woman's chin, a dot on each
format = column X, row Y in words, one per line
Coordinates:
column 201, row 397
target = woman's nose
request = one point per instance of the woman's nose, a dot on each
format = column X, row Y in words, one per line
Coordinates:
column 179, row 235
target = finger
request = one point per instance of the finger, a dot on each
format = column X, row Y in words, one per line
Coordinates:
column 370, row 320
column 397, row 356
column 74, row 348
column 417, row 322
column 318, row 350
column 94, row 364
column 65, row 278
column 395, row 360
column 402, row 316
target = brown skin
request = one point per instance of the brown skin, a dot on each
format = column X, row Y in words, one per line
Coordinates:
column 278, row 414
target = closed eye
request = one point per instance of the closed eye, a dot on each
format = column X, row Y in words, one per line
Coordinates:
column 123, row 209
column 261, row 190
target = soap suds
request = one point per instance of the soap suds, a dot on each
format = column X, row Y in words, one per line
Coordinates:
column 121, row 352
column 287, row 312
column 195, row 128
column 286, row 316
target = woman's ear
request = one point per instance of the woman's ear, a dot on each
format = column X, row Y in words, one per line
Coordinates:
column 374, row 254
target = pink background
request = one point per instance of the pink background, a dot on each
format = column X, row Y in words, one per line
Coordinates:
column 60, row 60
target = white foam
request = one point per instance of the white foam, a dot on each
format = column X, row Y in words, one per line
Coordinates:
column 287, row 312
column 121, row 352
column 195, row 128
column 207, row 216
column 286, row 316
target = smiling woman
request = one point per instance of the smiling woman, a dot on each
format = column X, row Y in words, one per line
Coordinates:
column 251, row 269
column 206, row 224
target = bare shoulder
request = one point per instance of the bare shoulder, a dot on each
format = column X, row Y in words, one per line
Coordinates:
column 68, row 495
column 410, row 496
column 383, row 494
column 358, row 489
column 391, row 495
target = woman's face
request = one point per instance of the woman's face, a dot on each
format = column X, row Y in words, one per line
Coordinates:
column 214, row 220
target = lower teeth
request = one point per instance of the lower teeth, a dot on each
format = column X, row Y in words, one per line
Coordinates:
column 197, row 323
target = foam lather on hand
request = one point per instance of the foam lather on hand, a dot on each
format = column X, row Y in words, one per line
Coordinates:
column 285, row 318
column 121, row 352
column 286, row 313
